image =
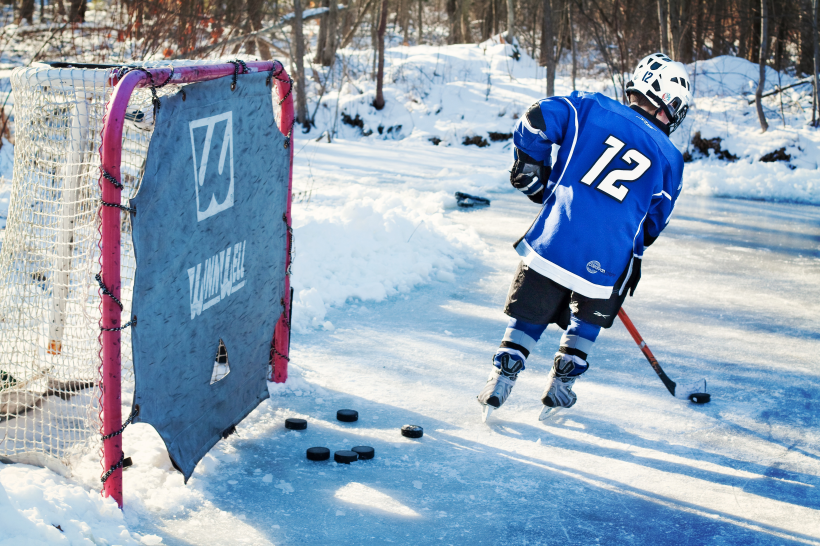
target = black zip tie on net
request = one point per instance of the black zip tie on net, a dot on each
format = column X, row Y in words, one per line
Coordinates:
column 117, row 184
column 134, row 413
column 132, row 322
column 292, row 241
column 274, row 75
column 154, row 97
column 108, row 293
column 119, row 463
column 280, row 355
column 236, row 64
column 132, row 210
column 111, row 179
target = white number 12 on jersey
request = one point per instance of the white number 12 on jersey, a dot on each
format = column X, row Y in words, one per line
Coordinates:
column 618, row 175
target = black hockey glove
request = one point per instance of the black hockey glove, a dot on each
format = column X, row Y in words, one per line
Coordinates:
column 529, row 176
column 647, row 238
column 632, row 282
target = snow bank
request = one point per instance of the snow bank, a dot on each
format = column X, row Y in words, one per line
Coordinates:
column 752, row 180
column 370, row 244
column 38, row 507
column 723, row 87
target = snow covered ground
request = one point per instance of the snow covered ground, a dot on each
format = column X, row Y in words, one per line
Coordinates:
column 398, row 297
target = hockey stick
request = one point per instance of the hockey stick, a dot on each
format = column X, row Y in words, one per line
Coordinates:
column 695, row 392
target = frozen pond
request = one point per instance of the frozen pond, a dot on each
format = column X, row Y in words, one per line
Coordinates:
column 730, row 292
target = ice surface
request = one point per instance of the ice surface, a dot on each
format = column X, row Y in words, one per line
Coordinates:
column 730, row 293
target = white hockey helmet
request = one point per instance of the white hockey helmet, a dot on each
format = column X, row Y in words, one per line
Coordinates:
column 666, row 84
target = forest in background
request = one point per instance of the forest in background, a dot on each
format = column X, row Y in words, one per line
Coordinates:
column 782, row 34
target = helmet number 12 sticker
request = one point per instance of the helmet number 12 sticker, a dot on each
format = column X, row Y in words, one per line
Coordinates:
column 607, row 185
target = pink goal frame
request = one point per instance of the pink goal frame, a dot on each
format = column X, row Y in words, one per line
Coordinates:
column 111, row 157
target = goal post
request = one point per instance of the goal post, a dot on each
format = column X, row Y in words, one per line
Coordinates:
column 67, row 263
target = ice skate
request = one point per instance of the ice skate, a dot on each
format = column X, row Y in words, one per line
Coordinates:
column 499, row 384
column 558, row 392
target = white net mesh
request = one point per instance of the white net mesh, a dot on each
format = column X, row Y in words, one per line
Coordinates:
column 49, row 300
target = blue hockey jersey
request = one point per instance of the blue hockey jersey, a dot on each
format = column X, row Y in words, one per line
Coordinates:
column 615, row 171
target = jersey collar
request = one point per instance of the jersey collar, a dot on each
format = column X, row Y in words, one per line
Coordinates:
column 655, row 121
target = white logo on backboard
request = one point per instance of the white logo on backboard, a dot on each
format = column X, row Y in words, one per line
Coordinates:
column 208, row 193
column 223, row 275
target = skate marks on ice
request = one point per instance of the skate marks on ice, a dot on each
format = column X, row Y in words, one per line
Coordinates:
column 635, row 465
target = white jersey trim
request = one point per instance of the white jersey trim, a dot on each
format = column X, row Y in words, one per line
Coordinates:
column 560, row 275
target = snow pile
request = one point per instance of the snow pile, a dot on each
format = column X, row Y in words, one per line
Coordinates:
column 38, row 507
column 779, row 165
column 371, row 244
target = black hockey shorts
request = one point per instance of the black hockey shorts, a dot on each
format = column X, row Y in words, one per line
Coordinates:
column 536, row 299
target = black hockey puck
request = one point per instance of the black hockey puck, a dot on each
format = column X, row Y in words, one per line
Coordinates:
column 345, row 457
column 700, row 397
column 295, row 424
column 364, row 452
column 347, row 415
column 412, row 431
column 318, row 454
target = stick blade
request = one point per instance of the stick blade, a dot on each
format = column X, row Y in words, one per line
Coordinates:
column 685, row 391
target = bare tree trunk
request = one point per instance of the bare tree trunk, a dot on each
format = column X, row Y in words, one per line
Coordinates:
column 744, row 24
column 754, row 43
column 717, row 32
column 255, row 19
column 454, row 22
column 663, row 17
column 674, row 28
column 405, row 21
column 816, row 103
column 764, row 46
column 76, row 11
column 572, row 44
column 374, row 36
column 356, row 24
column 548, row 46
column 26, row 12
column 331, row 36
column 464, row 18
column 684, row 46
column 321, row 41
column 699, row 31
column 379, row 102
column 510, row 22
column 299, row 53
column 806, row 62
column 420, row 23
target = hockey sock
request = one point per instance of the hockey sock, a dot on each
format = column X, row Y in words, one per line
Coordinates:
column 577, row 341
column 519, row 339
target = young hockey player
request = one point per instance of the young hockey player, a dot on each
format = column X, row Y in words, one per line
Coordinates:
column 608, row 196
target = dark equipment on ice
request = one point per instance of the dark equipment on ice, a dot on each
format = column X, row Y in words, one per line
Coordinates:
column 412, row 431
column 364, row 452
column 318, row 454
column 696, row 397
column 295, row 424
column 465, row 200
column 347, row 415
column 345, row 457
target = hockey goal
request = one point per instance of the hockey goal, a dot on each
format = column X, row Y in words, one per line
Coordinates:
column 66, row 353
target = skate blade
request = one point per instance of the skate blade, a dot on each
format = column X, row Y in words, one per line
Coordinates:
column 549, row 413
column 684, row 391
column 486, row 411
